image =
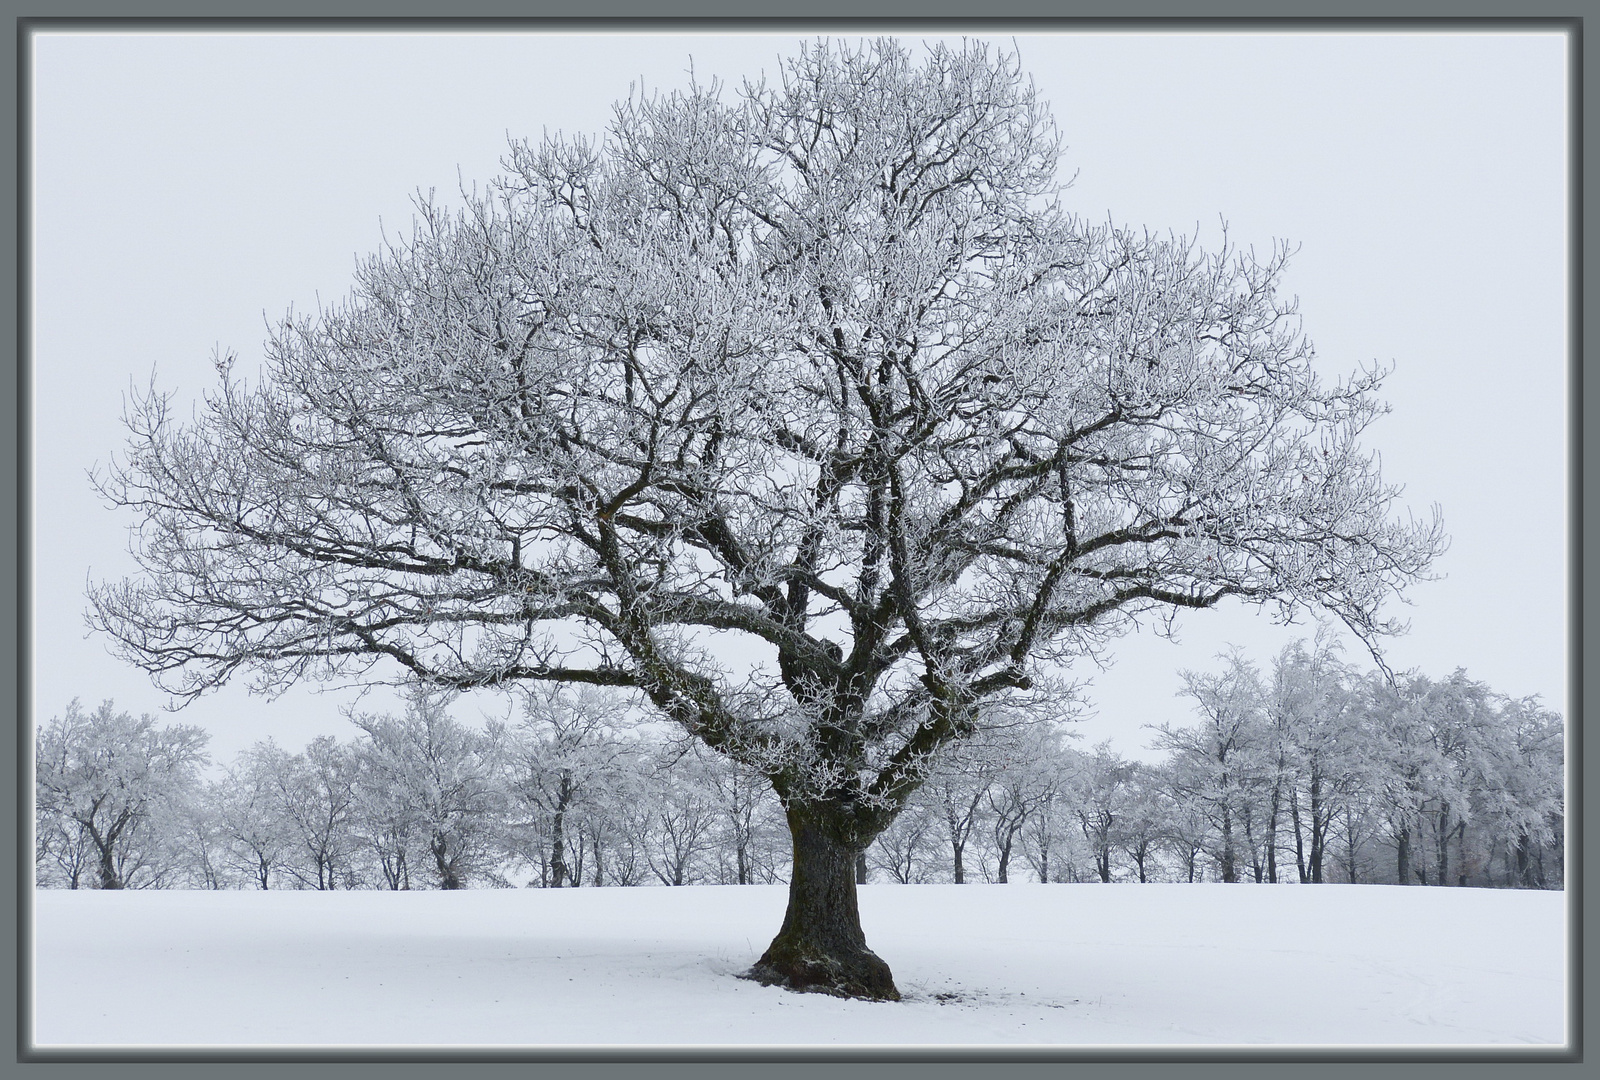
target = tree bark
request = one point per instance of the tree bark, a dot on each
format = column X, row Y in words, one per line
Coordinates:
column 109, row 878
column 1350, row 844
column 558, row 838
column 1299, row 836
column 1319, row 828
column 105, row 847
column 1255, row 851
column 558, row 851
column 1273, row 809
column 448, row 877
column 1443, row 849
column 1402, row 855
column 1228, row 873
column 821, row 948
column 1524, row 864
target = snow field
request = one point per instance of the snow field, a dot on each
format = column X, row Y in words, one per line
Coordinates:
column 989, row 965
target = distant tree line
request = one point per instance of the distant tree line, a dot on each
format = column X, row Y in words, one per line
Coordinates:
column 1308, row 771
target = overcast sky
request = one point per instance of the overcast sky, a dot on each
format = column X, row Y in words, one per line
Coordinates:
column 187, row 188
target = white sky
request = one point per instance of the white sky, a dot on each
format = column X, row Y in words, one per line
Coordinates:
column 189, row 187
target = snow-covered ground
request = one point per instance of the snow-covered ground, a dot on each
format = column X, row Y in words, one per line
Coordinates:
column 1012, row 965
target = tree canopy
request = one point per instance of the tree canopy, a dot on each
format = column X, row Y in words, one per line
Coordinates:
column 820, row 372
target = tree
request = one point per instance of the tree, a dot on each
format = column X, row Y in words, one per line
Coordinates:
column 198, row 840
column 683, row 817
column 1188, row 830
column 1100, row 793
column 102, row 778
column 387, row 829
column 566, row 745
column 621, row 818
column 1457, row 775
column 1215, row 763
column 748, row 814
column 313, row 803
column 958, row 788
column 63, row 852
column 249, row 809
column 1318, row 748
column 908, row 845
column 1029, row 779
column 446, row 774
column 1045, row 835
column 823, row 365
column 1145, row 818
column 1523, row 800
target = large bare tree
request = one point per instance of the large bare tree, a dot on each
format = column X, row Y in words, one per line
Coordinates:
column 806, row 410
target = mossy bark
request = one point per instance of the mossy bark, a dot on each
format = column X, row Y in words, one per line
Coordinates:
column 821, row 948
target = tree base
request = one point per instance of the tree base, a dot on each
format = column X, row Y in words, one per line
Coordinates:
column 820, row 948
column 857, row 974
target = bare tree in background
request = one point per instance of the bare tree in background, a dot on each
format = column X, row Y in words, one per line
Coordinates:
column 249, row 812
column 1029, row 779
column 1102, row 800
column 565, row 749
column 1214, row 763
column 821, row 364
column 449, row 777
column 101, row 779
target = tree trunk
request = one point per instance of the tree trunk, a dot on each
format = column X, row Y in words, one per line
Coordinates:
column 105, row 847
column 109, row 878
column 1228, row 873
column 1299, row 836
column 1402, row 855
column 1274, row 808
column 575, row 867
column 1255, row 851
column 861, row 869
column 820, row 948
column 1350, row 844
column 448, row 877
column 958, row 869
column 558, row 851
column 1443, row 829
column 558, row 837
column 1319, row 828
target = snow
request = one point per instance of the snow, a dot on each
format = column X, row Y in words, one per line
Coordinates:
column 1016, row 965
